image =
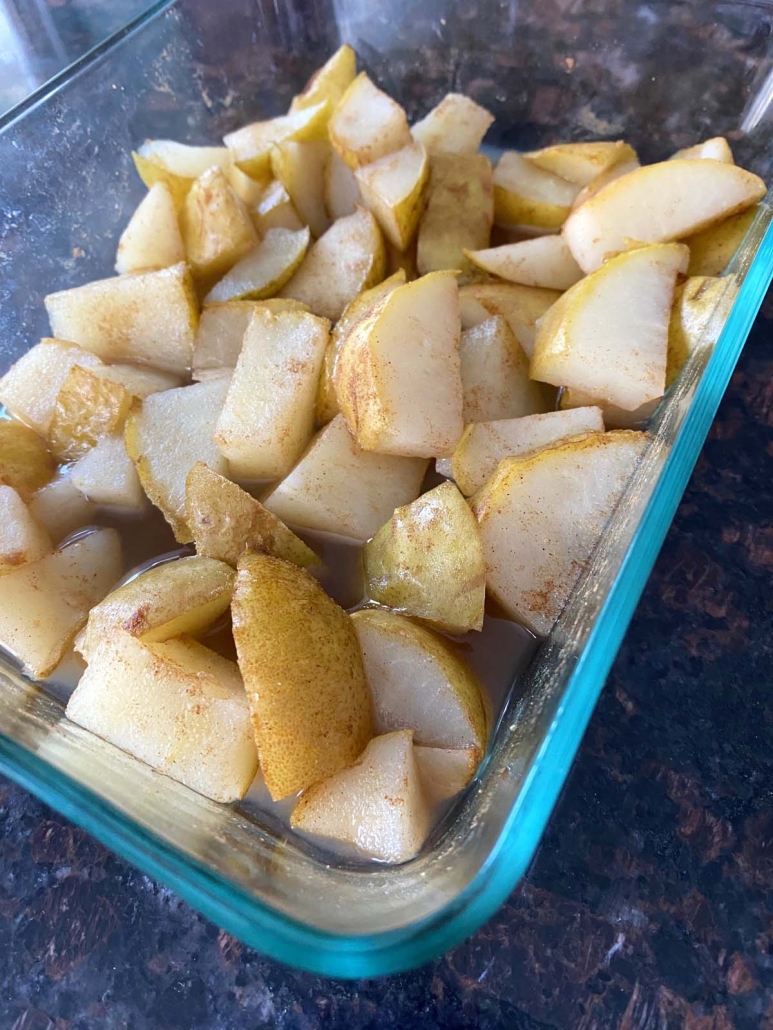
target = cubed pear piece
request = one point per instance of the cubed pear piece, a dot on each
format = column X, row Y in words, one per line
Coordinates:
column 147, row 317
column 338, row 488
column 418, row 683
column 444, row 772
column 329, row 82
column 22, row 538
column 217, row 226
column 355, row 312
column 166, row 435
column 701, row 305
column 311, row 708
column 656, row 203
column 52, row 598
column 604, row 178
column 61, row 508
column 608, row 335
column 581, row 163
column 712, row 249
column 221, row 330
column 525, row 194
column 377, row 804
column 177, row 165
column 393, row 188
column 543, row 261
column 275, row 210
column 398, row 379
column 367, row 124
column 459, row 211
column 484, row 444
column 522, row 306
column 175, row 598
column 716, row 149
column 177, row 706
column 495, row 374
column 265, row 269
column 300, row 167
column 106, row 476
column 268, row 415
column 614, row 416
column 226, row 522
column 140, row 382
column 25, row 462
column 247, row 189
column 88, row 407
column 341, row 191
column 346, row 260
column 251, row 145
column 427, row 561
column 541, row 515
column 456, row 125
column 152, row 239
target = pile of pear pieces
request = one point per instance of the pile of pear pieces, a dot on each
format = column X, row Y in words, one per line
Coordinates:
column 316, row 311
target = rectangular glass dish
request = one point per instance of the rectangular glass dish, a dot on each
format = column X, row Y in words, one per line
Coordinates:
column 660, row 75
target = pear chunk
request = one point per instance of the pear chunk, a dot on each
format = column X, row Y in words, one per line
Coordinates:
column 177, row 165
column 538, row 529
column 341, row 191
column 393, row 188
column 604, row 178
column 217, row 227
column 330, row 82
column 495, row 374
column 61, row 508
column 376, row 804
column 251, row 145
column 716, row 149
column 106, row 475
column 614, row 416
column 221, row 332
column 152, row 239
column 543, row 261
column 459, row 212
column 527, row 195
column 695, row 303
column 300, row 167
column 22, row 538
column 88, row 406
column 367, row 124
column 264, row 270
column 25, row 462
column 443, row 771
column 275, row 210
column 581, row 163
column 712, row 249
column 522, row 306
column 311, row 709
column 456, row 125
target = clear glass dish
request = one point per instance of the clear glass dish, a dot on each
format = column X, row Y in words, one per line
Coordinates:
column 661, row 75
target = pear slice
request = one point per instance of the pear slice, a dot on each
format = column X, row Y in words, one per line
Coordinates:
column 22, row 538
column 581, row 163
column 444, row 772
column 267, row 418
column 525, row 194
column 61, row 508
column 393, row 188
column 543, row 261
column 166, row 434
column 398, row 380
column 25, row 462
column 608, row 335
column 419, row 684
column 175, row 598
column 658, row 203
column 716, row 149
column 341, row 191
column 459, row 212
column 330, row 82
column 88, row 406
column 275, row 210
column 106, row 475
column 311, row 710
column 427, row 561
column 456, row 125
column 484, row 444
column 495, row 375
column 614, row 416
column 226, row 522
column 604, row 178
column 701, row 303
column 221, row 330
column 338, row 488
column 52, row 598
column 138, row 380
column 152, row 239
column 251, row 145
column 538, row 529
column 265, row 269
column 367, row 124
column 347, row 259
column 216, row 225
column 177, row 706
column 177, row 165
column 522, row 306
column 376, row 804
column 300, row 167
column 712, row 249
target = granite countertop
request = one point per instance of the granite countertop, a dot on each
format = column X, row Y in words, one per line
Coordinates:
column 649, row 905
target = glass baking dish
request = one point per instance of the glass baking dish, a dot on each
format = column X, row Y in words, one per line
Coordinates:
column 661, row 75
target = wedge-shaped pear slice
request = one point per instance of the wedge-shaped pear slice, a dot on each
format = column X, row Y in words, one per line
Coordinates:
column 300, row 167
column 341, row 191
column 543, row 261
column 175, row 598
column 355, row 312
column 52, row 598
column 495, row 375
column 484, row 444
column 221, row 330
column 87, row 407
column 226, row 522
column 614, row 416
column 459, row 212
column 217, row 226
column 398, row 379
column 25, row 462
column 604, row 178
column 456, row 125
column 346, row 260
column 444, row 772
column 393, row 188
column 525, row 194
column 177, row 706
column 152, row 239
column 376, row 804
column 265, row 269
column 177, row 165
column 166, row 435
column 22, row 538
column 657, row 203
column 61, row 508
column 367, row 124
column 418, row 683
column 581, row 163
column 311, row 709
column 522, row 306
column 338, row 488
column 716, row 149
column 427, row 561
column 329, row 82
column 608, row 335
column 106, row 476
column 538, row 529
column 701, row 305
column 275, row 210
column 712, row 249
column 147, row 317
column 251, row 145
column 268, row 415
